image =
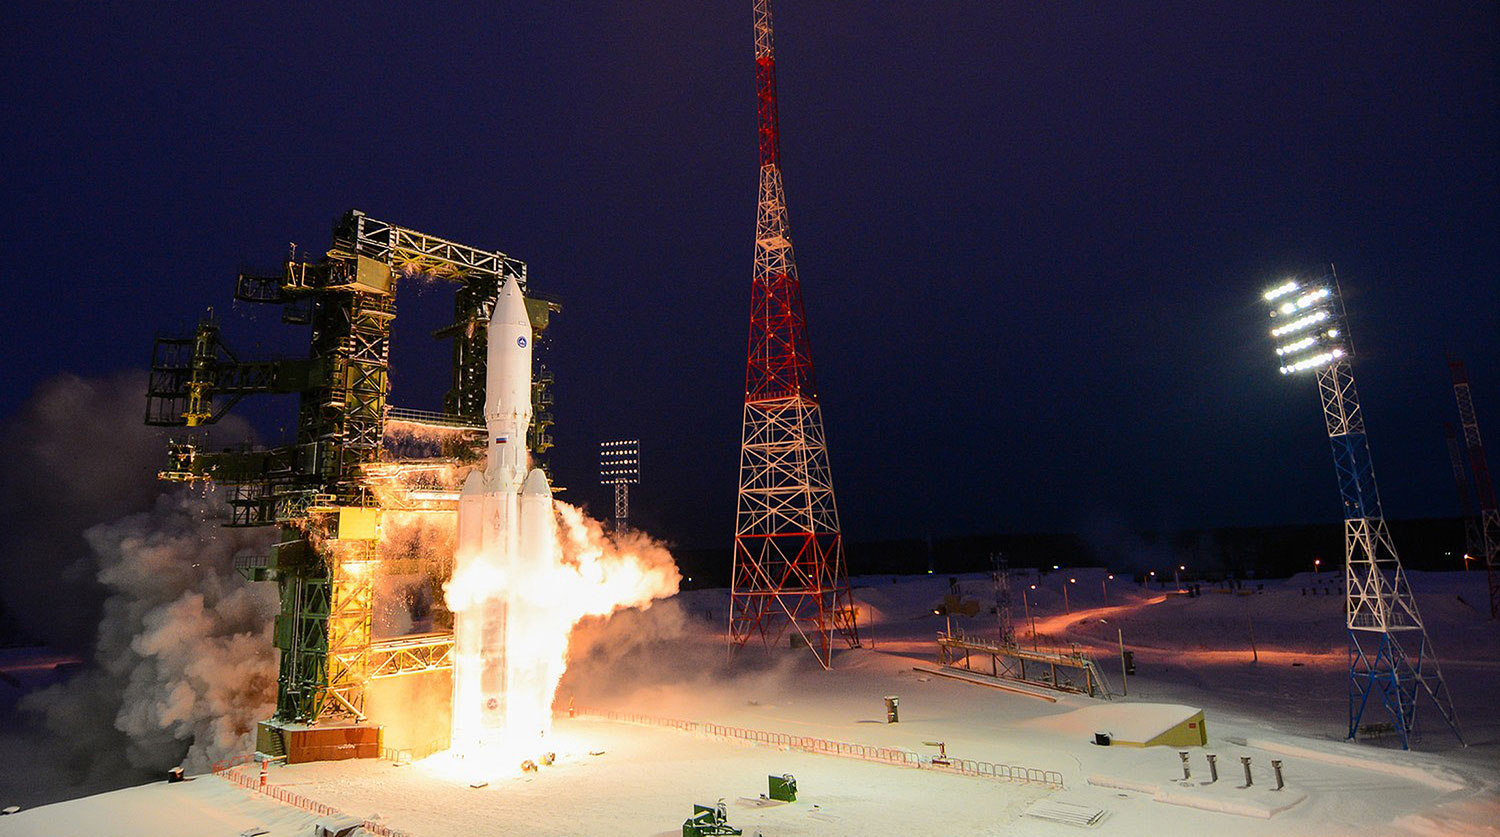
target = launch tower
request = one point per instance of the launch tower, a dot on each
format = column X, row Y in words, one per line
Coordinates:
column 1390, row 655
column 328, row 491
column 789, row 570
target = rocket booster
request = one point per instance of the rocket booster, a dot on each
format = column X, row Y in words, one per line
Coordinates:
column 504, row 524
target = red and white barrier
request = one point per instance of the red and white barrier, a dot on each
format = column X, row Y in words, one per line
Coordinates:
column 823, row 746
column 230, row 769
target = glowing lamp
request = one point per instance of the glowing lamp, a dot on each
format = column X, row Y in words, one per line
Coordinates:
column 1308, row 324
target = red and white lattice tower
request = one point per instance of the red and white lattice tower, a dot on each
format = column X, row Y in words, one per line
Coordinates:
column 789, row 570
column 1489, row 510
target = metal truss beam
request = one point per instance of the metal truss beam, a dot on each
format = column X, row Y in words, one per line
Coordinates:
column 418, row 252
column 411, row 655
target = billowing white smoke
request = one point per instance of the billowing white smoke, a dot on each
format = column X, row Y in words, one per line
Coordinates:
column 185, row 663
column 75, row 455
column 591, row 573
column 613, row 571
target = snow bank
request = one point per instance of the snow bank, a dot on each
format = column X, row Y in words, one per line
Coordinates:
column 1430, row 775
column 1250, row 802
column 205, row 805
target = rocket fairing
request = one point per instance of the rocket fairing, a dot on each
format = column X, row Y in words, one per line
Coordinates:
column 505, row 523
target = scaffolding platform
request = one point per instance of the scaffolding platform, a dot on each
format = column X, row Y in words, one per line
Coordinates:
column 1064, row 671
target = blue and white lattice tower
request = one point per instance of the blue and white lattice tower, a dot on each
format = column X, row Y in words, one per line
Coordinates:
column 1390, row 656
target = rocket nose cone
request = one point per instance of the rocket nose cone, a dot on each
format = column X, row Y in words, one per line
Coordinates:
column 510, row 306
column 474, row 482
column 536, row 484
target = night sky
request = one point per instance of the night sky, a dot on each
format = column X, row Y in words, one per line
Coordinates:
column 1032, row 236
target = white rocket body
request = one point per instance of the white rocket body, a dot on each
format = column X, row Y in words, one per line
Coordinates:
column 504, row 522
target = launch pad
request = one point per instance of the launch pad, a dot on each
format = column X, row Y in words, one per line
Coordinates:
column 358, row 470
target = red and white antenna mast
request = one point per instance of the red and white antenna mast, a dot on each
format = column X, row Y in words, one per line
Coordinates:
column 789, row 569
column 1489, row 511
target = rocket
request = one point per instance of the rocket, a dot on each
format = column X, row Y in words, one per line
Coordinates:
column 505, row 524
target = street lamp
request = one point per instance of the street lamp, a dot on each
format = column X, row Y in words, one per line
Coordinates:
column 1153, row 575
column 1066, row 607
column 1103, row 585
column 1177, row 577
column 1317, row 566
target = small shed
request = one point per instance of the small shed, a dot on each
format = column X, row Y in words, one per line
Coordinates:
column 1136, row 724
column 1158, row 725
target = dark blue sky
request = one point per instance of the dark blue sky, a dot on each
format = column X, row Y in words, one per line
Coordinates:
column 1031, row 235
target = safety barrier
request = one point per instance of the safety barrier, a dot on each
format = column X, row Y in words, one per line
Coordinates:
column 823, row 746
column 230, row 769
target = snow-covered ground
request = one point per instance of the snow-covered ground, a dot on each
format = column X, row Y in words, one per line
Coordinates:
column 670, row 662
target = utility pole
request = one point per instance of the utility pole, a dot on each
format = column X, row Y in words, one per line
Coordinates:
column 1124, row 689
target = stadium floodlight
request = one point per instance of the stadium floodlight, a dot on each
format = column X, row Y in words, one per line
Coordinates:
column 1281, row 290
column 1312, row 314
column 620, row 462
column 1300, row 324
column 620, row 466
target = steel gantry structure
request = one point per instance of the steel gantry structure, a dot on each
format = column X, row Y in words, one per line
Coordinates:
column 1390, row 654
column 320, row 490
column 1488, row 538
column 789, row 570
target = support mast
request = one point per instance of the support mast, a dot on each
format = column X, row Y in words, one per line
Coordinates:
column 1489, row 513
column 789, row 570
column 1473, row 542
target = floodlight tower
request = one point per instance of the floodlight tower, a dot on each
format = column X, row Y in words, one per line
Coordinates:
column 1489, row 513
column 1380, row 610
column 620, row 466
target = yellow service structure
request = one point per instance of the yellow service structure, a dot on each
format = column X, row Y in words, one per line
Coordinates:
column 1188, row 730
